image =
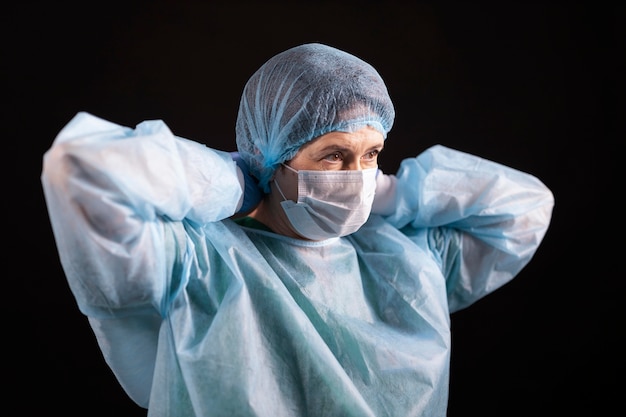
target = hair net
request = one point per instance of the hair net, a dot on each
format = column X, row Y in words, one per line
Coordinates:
column 301, row 94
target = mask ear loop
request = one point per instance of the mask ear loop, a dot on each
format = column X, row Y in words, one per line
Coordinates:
column 276, row 182
column 289, row 168
column 279, row 190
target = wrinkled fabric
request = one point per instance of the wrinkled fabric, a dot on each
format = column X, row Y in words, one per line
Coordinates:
column 330, row 203
column 301, row 94
column 199, row 316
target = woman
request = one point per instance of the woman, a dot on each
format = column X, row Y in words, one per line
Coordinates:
column 293, row 277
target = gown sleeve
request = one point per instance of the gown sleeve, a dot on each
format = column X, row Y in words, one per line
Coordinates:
column 485, row 221
column 120, row 201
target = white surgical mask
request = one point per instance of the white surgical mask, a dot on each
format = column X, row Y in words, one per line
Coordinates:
column 330, row 203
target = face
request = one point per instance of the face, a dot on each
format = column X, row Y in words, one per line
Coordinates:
column 333, row 151
column 340, row 150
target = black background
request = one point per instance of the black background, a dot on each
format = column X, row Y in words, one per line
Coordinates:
column 532, row 85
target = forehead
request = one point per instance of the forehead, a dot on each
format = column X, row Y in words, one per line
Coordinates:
column 364, row 138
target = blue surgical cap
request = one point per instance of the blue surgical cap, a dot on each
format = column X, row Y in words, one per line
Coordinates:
column 301, row 94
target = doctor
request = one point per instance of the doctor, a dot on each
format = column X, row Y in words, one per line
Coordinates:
column 292, row 277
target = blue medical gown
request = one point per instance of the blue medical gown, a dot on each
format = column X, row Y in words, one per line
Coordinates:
column 199, row 316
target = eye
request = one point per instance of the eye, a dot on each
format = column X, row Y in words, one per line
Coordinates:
column 334, row 157
column 371, row 155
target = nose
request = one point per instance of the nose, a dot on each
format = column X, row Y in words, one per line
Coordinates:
column 354, row 164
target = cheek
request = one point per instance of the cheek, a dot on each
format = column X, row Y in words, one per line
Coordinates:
column 288, row 183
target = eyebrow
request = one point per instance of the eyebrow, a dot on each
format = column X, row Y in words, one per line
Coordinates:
column 334, row 148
